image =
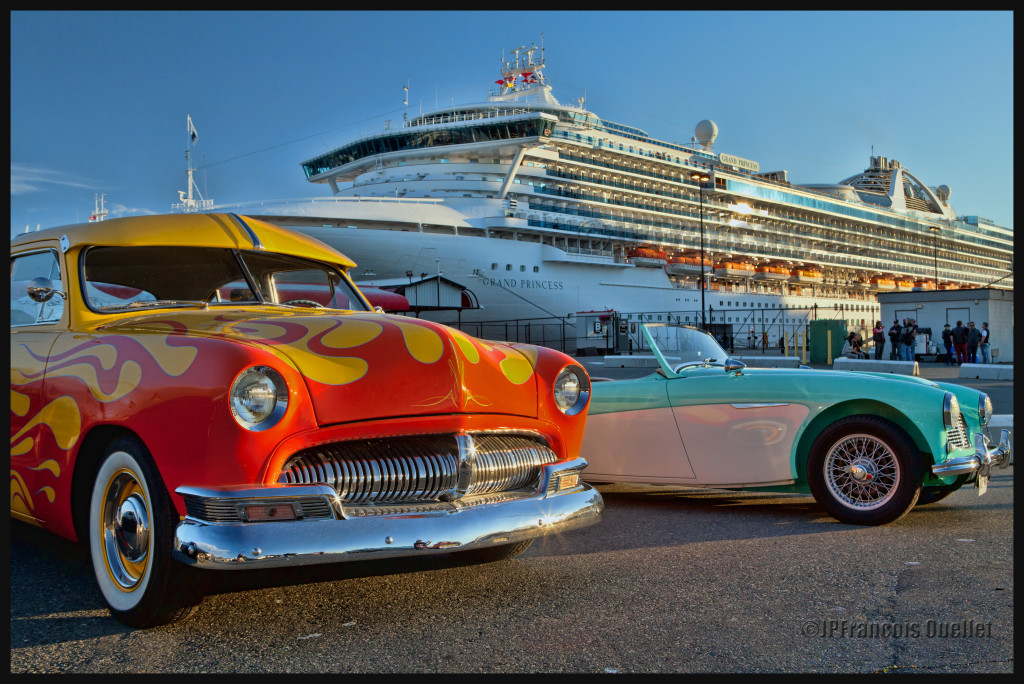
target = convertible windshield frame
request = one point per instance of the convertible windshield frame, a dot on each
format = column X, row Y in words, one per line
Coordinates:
column 685, row 342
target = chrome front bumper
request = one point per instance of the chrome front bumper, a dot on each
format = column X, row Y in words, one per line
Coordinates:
column 982, row 460
column 411, row 530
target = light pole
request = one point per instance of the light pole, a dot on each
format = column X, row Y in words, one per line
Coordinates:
column 701, row 179
column 935, row 253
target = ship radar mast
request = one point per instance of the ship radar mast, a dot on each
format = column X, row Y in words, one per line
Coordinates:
column 100, row 212
column 522, row 74
column 187, row 202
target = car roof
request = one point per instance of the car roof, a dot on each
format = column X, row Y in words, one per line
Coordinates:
column 192, row 230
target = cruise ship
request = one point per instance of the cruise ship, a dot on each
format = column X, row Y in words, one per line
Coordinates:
column 535, row 209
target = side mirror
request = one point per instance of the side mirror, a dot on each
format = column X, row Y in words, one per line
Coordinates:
column 734, row 366
column 41, row 289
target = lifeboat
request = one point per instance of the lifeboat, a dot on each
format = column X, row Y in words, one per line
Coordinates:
column 680, row 264
column 802, row 276
column 921, row 285
column 647, row 257
column 771, row 273
column 861, row 284
column 904, row 285
column 883, row 284
column 734, row 269
column 948, row 286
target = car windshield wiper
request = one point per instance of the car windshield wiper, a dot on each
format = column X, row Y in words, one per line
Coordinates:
column 158, row 304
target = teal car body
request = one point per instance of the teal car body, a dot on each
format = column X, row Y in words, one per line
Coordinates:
column 868, row 446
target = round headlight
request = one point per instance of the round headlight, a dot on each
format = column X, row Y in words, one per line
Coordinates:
column 259, row 397
column 572, row 390
column 984, row 409
column 950, row 410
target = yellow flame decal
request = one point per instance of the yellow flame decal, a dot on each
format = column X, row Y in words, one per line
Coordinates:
column 19, row 403
column 21, row 501
column 48, row 491
column 352, row 333
column 424, row 344
column 466, row 345
column 22, row 447
column 172, row 360
column 50, row 465
column 62, row 417
column 516, row 367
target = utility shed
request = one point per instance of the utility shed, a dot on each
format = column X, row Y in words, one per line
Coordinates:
column 435, row 293
column 933, row 309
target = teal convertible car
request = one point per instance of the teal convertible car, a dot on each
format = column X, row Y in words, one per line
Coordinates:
column 868, row 447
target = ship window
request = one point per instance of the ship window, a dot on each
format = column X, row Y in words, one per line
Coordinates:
column 522, row 268
column 508, row 267
column 494, row 267
column 495, row 161
column 474, row 160
column 536, row 269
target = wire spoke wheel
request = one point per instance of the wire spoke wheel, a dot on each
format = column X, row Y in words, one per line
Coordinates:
column 862, row 471
column 865, row 470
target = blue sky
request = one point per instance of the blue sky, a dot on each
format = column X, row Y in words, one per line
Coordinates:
column 99, row 99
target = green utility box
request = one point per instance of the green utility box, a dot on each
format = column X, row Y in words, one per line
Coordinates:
column 818, row 340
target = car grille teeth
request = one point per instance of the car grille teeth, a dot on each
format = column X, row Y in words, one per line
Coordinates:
column 957, row 435
column 420, row 469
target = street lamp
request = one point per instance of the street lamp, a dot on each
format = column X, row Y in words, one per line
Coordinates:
column 935, row 253
column 701, row 180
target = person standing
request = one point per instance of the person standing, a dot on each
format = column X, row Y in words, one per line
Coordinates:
column 959, row 334
column 986, row 357
column 878, row 337
column 947, row 342
column 907, row 339
column 973, row 340
column 894, row 339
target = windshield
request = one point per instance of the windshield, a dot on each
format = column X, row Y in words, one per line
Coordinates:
column 679, row 344
column 136, row 277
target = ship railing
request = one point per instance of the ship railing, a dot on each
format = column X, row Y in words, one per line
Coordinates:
column 573, row 334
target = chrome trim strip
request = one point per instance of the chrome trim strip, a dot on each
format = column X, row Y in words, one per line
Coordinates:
column 747, row 406
column 256, row 244
column 312, row 541
column 983, row 457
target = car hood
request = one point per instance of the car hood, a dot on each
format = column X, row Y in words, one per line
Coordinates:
column 365, row 366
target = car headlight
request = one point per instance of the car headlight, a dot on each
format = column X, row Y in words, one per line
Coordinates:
column 259, row 397
column 984, row 409
column 950, row 410
column 572, row 390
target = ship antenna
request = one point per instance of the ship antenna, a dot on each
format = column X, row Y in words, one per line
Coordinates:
column 186, row 202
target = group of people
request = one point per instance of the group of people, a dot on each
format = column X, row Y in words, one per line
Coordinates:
column 967, row 342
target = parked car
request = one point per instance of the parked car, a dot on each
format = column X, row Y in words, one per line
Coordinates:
column 178, row 411
column 868, row 446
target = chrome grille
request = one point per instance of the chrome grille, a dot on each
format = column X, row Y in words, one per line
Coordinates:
column 957, row 435
column 506, row 462
column 421, row 469
column 228, row 510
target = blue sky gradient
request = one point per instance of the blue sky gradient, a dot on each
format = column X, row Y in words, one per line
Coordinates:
column 99, row 99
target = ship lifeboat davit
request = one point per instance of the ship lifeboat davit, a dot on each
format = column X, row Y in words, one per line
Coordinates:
column 883, row 284
column 680, row 264
column 861, row 285
column 647, row 257
column 922, row 285
column 771, row 273
column 904, row 285
column 801, row 276
column 734, row 269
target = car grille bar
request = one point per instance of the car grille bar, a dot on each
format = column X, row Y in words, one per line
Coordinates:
column 957, row 435
column 421, row 469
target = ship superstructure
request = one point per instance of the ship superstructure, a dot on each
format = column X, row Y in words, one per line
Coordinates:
column 547, row 209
